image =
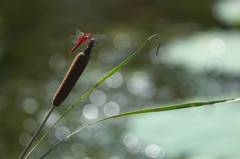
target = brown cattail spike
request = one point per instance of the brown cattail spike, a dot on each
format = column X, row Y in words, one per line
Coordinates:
column 74, row 72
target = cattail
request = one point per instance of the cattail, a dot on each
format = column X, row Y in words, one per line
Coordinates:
column 74, row 72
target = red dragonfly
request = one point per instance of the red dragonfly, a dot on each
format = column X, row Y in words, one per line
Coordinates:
column 84, row 38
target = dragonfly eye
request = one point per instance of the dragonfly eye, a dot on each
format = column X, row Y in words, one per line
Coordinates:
column 88, row 35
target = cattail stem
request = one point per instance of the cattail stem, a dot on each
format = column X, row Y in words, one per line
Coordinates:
column 36, row 133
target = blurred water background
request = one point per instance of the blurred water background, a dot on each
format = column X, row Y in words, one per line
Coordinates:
column 199, row 59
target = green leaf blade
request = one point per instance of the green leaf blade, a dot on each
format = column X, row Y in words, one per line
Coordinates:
column 145, row 111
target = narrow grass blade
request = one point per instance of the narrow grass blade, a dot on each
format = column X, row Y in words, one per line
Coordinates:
column 143, row 111
column 158, row 109
column 92, row 88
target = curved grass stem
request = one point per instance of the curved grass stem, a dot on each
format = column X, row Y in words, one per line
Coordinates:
column 141, row 111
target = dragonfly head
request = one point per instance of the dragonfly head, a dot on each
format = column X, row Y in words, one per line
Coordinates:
column 88, row 35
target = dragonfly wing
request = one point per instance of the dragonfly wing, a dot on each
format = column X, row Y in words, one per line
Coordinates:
column 100, row 36
column 79, row 32
column 101, row 39
column 74, row 38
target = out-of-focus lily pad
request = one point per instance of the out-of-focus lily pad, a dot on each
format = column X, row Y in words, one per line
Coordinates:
column 228, row 11
column 201, row 131
column 206, row 51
